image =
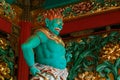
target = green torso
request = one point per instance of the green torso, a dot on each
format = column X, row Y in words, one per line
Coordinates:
column 51, row 53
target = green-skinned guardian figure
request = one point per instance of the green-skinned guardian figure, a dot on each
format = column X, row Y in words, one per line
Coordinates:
column 44, row 52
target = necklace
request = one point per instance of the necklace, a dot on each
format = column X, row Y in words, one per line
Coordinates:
column 52, row 36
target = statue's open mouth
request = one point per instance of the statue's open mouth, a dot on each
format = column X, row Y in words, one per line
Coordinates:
column 57, row 29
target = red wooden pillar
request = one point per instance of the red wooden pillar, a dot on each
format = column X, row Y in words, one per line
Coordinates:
column 23, row 71
column 26, row 25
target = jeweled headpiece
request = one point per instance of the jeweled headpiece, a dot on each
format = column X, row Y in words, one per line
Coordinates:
column 53, row 13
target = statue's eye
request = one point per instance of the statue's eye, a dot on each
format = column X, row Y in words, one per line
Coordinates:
column 61, row 24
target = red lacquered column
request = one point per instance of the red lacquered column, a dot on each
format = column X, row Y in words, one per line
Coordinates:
column 23, row 71
column 26, row 25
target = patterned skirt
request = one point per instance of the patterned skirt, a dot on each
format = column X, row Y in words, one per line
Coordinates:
column 50, row 73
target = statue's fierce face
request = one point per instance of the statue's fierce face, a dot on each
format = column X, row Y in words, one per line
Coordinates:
column 54, row 25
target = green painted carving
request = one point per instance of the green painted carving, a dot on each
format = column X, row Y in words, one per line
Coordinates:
column 7, row 55
column 100, row 1
column 68, row 11
column 81, row 8
column 10, row 1
column 82, row 51
column 86, row 52
column 48, row 4
column 7, row 9
column 107, row 67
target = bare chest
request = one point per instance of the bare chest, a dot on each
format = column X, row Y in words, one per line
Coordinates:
column 54, row 46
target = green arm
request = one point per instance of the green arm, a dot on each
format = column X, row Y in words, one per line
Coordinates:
column 28, row 52
column 27, row 49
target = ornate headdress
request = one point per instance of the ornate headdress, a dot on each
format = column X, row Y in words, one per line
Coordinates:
column 53, row 13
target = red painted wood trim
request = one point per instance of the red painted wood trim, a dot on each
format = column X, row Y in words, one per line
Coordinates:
column 93, row 21
column 5, row 25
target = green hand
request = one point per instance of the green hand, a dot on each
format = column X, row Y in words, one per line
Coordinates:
column 34, row 70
